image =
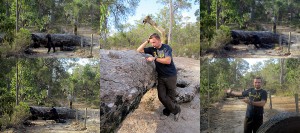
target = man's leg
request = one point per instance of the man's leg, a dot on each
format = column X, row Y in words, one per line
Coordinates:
column 162, row 95
column 53, row 48
column 171, row 92
column 49, row 47
column 248, row 125
column 257, row 123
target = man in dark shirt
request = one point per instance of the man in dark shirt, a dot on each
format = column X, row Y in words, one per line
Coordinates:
column 167, row 74
column 256, row 101
column 50, row 43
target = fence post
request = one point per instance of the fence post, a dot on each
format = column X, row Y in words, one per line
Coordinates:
column 270, row 96
column 76, row 115
column 85, row 118
column 92, row 44
column 289, row 42
column 81, row 42
column 296, row 101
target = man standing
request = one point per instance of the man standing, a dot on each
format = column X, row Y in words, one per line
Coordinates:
column 167, row 74
column 256, row 101
column 50, row 43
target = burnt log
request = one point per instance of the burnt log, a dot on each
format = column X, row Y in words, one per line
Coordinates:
column 282, row 123
column 59, row 40
column 260, row 39
column 45, row 112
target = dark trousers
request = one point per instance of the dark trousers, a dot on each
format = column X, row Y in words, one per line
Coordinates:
column 252, row 124
column 166, row 93
column 49, row 45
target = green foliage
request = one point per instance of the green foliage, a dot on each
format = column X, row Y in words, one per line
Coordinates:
column 221, row 38
column 4, row 121
column 6, row 24
column 20, row 113
column 7, row 101
column 22, row 40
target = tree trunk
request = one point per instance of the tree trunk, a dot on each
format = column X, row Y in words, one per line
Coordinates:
column 263, row 38
column 7, row 9
column 282, row 73
column 17, row 83
column 59, row 40
column 171, row 22
column 75, row 28
column 208, row 6
column 217, row 16
column 17, row 16
column 63, row 112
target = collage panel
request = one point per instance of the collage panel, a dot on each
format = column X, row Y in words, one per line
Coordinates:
column 49, row 66
column 49, row 29
column 249, row 60
column 49, row 95
column 250, row 94
column 150, row 67
column 250, row 29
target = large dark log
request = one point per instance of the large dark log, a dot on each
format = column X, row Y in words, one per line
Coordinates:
column 261, row 39
column 59, row 40
column 44, row 112
column 282, row 123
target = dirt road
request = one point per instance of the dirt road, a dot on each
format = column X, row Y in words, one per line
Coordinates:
column 228, row 116
column 146, row 118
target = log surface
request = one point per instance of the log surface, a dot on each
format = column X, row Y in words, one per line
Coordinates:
column 264, row 39
column 59, row 40
column 63, row 112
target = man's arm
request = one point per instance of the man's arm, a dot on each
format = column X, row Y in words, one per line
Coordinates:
column 166, row 60
column 234, row 93
column 143, row 45
column 257, row 103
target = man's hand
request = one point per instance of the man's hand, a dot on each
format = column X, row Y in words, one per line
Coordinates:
column 150, row 59
column 246, row 100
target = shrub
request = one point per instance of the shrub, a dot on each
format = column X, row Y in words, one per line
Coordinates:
column 22, row 40
column 221, row 38
column 4, row 121
column 21, row 112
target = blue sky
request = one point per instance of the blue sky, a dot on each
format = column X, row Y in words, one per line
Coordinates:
column 146, row 7
column 253, row 61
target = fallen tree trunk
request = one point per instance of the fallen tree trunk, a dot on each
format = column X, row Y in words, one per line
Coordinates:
column 261, row 39
column 59, row 40
column 281, row 123
column 44, row 112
